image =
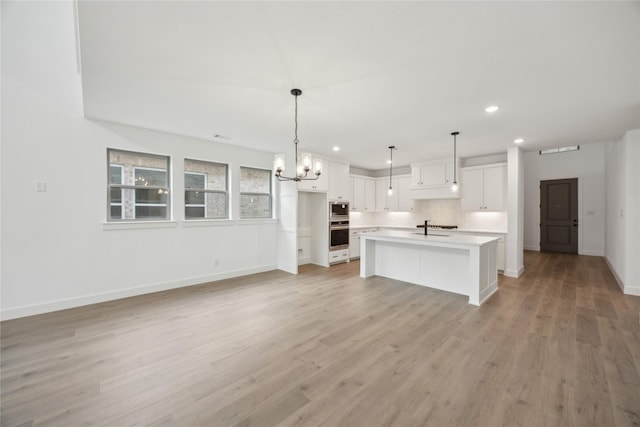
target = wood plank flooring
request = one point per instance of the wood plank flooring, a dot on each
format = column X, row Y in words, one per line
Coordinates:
column 558, row 347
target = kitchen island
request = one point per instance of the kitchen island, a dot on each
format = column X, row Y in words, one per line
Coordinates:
column 461, row 264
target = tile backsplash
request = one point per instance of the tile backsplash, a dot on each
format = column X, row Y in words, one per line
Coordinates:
column 439, row 211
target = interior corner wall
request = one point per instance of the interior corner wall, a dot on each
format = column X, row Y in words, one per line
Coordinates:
column 586, row 164
column 622, row 248
column 515, row 213
column 56, row 252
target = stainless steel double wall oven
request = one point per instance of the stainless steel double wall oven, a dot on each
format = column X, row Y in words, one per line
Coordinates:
column 338, row 226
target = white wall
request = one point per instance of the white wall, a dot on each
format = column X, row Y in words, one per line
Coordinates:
column 622, row 249
column 56, row 252
column 586, row 164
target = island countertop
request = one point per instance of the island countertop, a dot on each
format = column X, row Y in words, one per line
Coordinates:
column 433, row 238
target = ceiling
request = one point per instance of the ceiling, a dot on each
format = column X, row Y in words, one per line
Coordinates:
column 373, row 74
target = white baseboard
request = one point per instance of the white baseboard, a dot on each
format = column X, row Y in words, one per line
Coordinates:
column 627, row 290
column 487, row 292
column 592, row 253
column 514, row 273
column 531, row 248
column 63, row 304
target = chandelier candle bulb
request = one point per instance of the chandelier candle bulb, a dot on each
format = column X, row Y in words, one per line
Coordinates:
column 278, row 162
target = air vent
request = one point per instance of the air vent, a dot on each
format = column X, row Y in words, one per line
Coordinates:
column 559, row 149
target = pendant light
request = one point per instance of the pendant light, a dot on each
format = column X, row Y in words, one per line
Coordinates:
column 302, row 168
column 391, row 148
column 454, row 187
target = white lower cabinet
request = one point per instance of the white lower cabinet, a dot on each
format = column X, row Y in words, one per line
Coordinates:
column 354, row 244
column 339, row 256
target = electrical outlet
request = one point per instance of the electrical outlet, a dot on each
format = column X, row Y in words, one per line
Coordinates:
column 216, row 262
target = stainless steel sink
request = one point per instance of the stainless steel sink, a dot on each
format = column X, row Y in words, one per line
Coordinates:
column 433, row 234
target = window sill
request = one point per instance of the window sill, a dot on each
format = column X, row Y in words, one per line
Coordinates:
column 255, row 221
column 207, row 222
column 137, row 225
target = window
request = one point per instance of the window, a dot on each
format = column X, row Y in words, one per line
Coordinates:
column 115, row 205
column 205, row 190
column 138, row 186
column 255, row 193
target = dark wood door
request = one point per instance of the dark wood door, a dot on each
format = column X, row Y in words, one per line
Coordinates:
column 559, row 215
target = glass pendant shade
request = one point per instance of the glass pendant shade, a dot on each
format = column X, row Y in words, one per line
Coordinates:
column 278, row 162
column 317, row 167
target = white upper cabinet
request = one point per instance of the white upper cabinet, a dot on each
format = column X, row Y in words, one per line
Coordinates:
column 364, row 194
column 321, row 184
column 484, row 188
column 357, row 201
column 369, row 195
column 399, row 200
column 384, row 201
column 430, row 174
column 339, row 184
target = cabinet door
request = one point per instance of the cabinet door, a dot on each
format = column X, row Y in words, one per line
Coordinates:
column 494, row 188
column 416, row 176
column 393, row 199
column 321, row 184
column 338, row 182
column 405, row 203
column 354, row 244
column 435, row 174
column 369, row 195
column 357, row 202
column 472, row 199
column 449, row 178
column 382, row 185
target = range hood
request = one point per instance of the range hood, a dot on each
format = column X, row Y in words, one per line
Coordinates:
column 438, row 192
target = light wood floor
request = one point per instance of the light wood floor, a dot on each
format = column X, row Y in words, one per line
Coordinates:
column 558, row 347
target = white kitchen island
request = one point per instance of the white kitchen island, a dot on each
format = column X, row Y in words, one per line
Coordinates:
column 461, row 264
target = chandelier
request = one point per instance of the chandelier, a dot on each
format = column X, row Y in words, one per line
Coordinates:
column 303, row 164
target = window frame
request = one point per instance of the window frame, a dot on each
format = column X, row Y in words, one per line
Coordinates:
column 269, row 194
column 121, row 204
column 149, row 187
column 133, row 187
column 206, row 191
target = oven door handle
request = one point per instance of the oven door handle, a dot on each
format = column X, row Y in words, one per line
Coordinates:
column 341, row 227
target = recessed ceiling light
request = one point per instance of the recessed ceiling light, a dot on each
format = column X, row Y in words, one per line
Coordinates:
column 388, row 162
column 336, row 148
column 492, row 109
column 518, row 140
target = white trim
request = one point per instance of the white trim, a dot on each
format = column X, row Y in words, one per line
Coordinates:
column 591, row 253
column 255, row 221
column 627, row 290
column 207, row 222
column 140, row 224
column 532, row 248
column 514, row 273
column 30, row 310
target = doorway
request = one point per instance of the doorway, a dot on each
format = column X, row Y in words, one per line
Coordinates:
column 559, row 215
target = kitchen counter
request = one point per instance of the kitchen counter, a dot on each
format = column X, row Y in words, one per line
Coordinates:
column 463, row 264
column 439, row 230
